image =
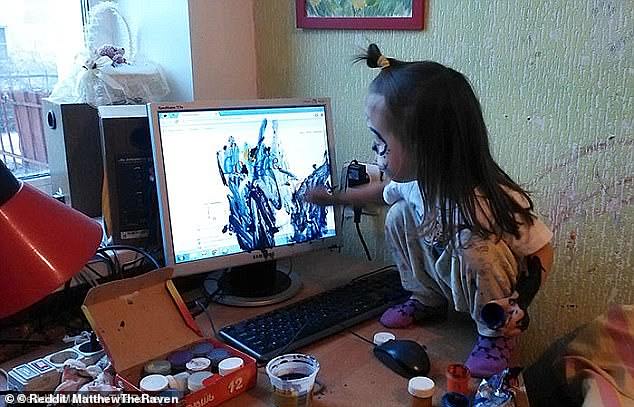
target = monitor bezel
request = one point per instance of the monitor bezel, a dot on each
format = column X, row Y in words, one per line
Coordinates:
column 244, row 258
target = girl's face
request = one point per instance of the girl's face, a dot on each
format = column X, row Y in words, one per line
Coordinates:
column 391, row 156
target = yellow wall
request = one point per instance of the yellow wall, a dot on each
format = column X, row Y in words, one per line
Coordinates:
column 555, row 82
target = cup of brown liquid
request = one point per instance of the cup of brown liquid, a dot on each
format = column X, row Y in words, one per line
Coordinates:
column 292, row 379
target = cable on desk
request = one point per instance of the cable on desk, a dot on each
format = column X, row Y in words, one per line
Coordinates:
column 89, row 267
column 210, row 300
column 208, row 314
column 115, row 260
column 137, row 261
column 101, row 258
column 363, row 243
column 370, row 273
column 361, row 337
column 114, row 249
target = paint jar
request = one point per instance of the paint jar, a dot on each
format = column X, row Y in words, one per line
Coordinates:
column 195, row 381
column 198, row 365
column 229, row 365
column 200, row 350
column 216, row 356
column 154, row 383
column 454, row 400
column 179, row 360
column 422, row 390
column 381, row 337
column 292, row 379
column 162, row 367
column 458, row 378
column 178, row 381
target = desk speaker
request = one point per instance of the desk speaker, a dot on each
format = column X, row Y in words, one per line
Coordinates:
column 130, row 203
column 73, row 143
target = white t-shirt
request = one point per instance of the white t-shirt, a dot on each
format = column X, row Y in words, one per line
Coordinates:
column 532, row 237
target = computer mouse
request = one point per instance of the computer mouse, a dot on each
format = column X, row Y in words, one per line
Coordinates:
column 405, row 357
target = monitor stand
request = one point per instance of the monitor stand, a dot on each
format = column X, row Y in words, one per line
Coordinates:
column 252, row 285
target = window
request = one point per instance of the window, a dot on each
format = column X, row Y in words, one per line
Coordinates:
column 4, row 55
column 39, row 40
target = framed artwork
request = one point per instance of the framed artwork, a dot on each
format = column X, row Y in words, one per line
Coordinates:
column 360, row 14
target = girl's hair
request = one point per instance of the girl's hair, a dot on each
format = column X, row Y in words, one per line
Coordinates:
column 434, row 112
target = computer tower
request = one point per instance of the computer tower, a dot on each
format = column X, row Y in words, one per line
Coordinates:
column 74, row 154
column 130, row 203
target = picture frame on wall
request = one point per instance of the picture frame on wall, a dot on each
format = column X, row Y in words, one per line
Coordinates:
column 360, row 14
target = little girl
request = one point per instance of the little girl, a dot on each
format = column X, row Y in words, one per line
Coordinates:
column 461, row 231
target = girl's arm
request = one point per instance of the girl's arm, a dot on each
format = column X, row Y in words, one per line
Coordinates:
column 545, row 255
column 360, row 196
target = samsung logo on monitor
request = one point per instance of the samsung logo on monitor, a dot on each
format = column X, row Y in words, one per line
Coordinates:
column 265, row 254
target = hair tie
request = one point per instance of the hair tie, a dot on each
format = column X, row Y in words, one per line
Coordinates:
column 383, row 62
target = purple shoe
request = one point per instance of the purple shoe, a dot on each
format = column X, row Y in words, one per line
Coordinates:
column 490, row 355
column 411, row 311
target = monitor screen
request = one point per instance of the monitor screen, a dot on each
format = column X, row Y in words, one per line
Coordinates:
column 231, row 179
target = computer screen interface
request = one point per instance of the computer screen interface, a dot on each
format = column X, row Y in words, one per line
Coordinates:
column 236, row 178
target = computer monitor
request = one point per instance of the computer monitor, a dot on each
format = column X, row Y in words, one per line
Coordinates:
column 231, row 179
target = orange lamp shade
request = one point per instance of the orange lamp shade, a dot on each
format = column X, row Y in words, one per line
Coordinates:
column 43, row 243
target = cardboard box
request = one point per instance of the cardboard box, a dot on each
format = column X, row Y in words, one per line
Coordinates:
column 144, row 318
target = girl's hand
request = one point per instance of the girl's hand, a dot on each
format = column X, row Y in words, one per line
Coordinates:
column 320, row 195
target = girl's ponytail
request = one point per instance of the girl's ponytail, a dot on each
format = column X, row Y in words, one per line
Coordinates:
column 374, row 59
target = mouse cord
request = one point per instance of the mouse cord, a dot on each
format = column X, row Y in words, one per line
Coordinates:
column 373, row 272
column 361, row 337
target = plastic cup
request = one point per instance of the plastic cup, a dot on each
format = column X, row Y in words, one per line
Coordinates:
column 292, row 379
column 458, row 378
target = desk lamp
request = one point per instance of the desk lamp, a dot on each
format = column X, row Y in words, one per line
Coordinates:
column 43, row 243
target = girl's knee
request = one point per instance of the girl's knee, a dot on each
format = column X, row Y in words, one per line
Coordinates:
column 484, row 254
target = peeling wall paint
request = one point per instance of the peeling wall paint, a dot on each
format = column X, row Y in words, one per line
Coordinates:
column 555, row 82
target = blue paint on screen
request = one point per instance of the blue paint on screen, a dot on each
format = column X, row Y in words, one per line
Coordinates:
column 259, row 184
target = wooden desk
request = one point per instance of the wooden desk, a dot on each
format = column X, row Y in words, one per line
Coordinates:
column 350, row 373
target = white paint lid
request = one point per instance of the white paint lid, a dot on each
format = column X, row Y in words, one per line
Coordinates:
column 229, row 365
column 421, row 386
column 381, row 337
column 154, row 382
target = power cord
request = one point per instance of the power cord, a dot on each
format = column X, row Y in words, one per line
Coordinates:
column 209, row 300
column 356, row 175
column 361, row 337
column 357, row 221
column 370, row 273
column 101, row 258
column 207, row 312
column 114, row 248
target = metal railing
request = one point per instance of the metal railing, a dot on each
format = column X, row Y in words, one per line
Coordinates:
column 22, row 142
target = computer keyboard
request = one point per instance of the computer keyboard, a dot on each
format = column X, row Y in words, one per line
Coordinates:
column 303, row 322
